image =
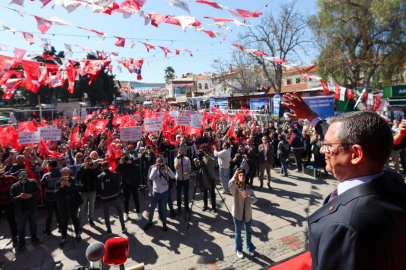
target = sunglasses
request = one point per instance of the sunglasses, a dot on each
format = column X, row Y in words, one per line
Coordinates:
column 79, row 156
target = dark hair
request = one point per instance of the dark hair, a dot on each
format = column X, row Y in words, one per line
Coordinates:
column 367, row 129
column 280, row 136
column 227, row 144
column 205, row 145
column 105, row 164
column 53, row 163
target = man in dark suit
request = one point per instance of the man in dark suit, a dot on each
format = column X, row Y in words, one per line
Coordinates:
column 265, row 106
column 362, row 224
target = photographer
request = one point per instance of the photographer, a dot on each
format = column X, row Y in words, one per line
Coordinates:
column 253, row 151
column 243, row 159
column 209, row 160
column 24, row 195
column 109, row 189
column 161, row 176
column 148, row 159
column 129, row 175
column 87, row 176
column 48, row 186
column 183, row 169
column 69, row 199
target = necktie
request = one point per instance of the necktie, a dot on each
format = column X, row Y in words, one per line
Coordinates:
column 333, row 194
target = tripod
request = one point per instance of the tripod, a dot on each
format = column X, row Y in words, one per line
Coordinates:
column 204, row 170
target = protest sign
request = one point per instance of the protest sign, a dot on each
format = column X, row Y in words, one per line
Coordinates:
column 50, row 134
column 28, row 137
column 160, row 114
column 182, row 120
column 153, row 124
column 196, row 121
column 130, row 133
column 174, row 113
column 136, row 117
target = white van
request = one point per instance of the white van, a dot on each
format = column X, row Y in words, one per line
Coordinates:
column 146, row 103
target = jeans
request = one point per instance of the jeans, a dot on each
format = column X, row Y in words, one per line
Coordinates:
column 116, row 204
column 67, row 211
column 297, row 155
column 212, row 194
column 9, row 209
column 52, row 206
column 262, row 167
column 284, row 167
column 88, row 199
column 238, row 240
column 185, row 186
column 170, row 204
column 21, row 221
column 224, row 177
column 128, row 190
column 160, row 199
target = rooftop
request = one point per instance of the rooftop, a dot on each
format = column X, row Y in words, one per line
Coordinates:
column 306, row 69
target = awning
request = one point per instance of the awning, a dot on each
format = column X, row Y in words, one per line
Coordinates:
column 397, row 102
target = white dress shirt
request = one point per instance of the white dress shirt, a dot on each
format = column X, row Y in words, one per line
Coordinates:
column 350, row 183
column 265, row 150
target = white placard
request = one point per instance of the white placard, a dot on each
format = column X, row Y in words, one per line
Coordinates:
column 161, row 114
column 28, row 137
column 182, row 120
column 174, row 113
column 196, row 121
column 130, row 134
column 136, row 117
column 50, row 133
column 153, row 124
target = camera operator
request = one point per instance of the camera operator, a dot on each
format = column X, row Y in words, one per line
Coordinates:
column 161, row 176
column 129, row 175
column 48, row 186
column 87, row 176
column 24, row 195
column 69, row 199
column 109, row 189
column 6, row 181
column 243, row 159
column 209, row 160
column 183, row 169
column 148, row 159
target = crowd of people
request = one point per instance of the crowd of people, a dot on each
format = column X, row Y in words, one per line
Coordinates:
column 67, row 178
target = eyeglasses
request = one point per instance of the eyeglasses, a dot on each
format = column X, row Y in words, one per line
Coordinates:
column 79, row 156
column 325, row 146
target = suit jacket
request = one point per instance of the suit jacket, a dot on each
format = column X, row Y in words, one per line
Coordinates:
column 261, row 154
column 363, row 228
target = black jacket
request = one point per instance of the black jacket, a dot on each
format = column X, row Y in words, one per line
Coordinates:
column 67, row 195
column 130, row 172
column 108, row 185
column 87, row 179
column 15, row 168
column 48, row 184
column 22, row 205
column 297, row 143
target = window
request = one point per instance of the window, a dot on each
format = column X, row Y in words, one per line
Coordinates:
column 288, row 81
column 206, row 86
column 200, row 86
column 297, row 80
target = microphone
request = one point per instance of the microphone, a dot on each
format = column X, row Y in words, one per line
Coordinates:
column 94, row 253
column 117, row 250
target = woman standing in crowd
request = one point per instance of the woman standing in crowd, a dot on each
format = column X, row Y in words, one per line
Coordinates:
column 244, row 197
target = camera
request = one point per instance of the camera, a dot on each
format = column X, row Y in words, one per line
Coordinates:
column 181, row 155
column 161, row 165
column 149, row 147
column 200, row 154
column 91, row 164
column 126, row 158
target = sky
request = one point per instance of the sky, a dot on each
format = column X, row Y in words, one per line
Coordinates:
column 203, row 47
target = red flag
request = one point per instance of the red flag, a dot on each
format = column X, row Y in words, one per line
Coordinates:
column 120, row 42
column 18, row 56
column 246, row 13
column 156, row 151
column 220, row 20
column 337, row 92
column 109, row 135
column 210, row 33
column 239, row 47
column 28, row 37
column 47, row 56
column 56, row 122
column 33, row 73
column 63, row 123
column 45, row 2
column 157, row 19
column 259, row 53
column 110, row 156
column 149, row 46
column 378, row 103
column 210, row 3
column 88, row 133
column 166, row 50
column 75, row 138
column 99, row 126
column 71, row 72
column 147, row 140
column 349, row 93
column 43, row 25
column 46, row 152
column 231, row 131
column 27, row 167
column 325, row 86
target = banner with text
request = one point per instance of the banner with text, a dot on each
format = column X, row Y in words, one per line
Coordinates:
column 182, row 120
column 130, row 134
column 50, row 133
column 322, row 105
column 196, row 121
column 153, row 124
column 28, row 137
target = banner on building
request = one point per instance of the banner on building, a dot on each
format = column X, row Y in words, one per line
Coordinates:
column 276, row 104
column 260, row 104
column 322, row 105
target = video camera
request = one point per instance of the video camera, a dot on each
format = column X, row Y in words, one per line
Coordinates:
column 201, row 154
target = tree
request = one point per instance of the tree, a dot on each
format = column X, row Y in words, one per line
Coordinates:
column 236, row 72
column 282, row 35
column 356, row 37
column 169, row 74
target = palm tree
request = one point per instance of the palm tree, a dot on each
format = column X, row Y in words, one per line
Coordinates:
column 169, row 74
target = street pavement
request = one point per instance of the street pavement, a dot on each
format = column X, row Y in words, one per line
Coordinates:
column 279, row 231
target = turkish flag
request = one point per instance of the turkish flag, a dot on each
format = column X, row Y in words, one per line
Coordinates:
column 349, row 93
column 33, row 73
column 325, row 87
column 337, row 92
